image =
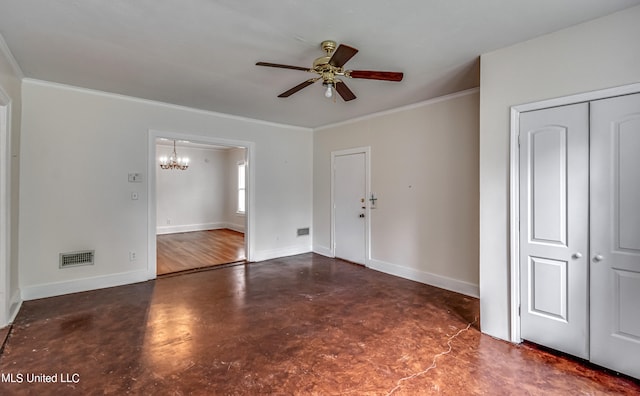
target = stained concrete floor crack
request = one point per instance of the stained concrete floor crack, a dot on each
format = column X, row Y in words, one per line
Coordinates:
column 433, row 362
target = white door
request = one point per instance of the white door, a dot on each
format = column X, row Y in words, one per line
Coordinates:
column 554, row 192
column 615, row 234
column 349, row 207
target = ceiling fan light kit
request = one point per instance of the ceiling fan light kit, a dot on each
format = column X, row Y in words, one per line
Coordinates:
column 328, row 93
column 329, row 67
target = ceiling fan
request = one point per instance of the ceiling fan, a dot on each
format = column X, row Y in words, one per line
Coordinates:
column 329, row 67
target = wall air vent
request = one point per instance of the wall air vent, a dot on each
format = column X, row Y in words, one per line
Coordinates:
column 75, row 259
column 303, row 231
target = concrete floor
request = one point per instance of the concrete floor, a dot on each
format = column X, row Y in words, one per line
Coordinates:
column 303, row 325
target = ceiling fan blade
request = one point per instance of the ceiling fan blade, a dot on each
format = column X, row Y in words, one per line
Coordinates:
column 344, row 91
column 297, row 88
column 342, row 55
column 282, row 66
column 376, row 75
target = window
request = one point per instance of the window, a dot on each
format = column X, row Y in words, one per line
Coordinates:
column 242, row 170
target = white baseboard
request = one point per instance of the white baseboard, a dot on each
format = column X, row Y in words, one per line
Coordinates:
column 174, row 229
column 443, row 282
column 44, row 290
column 323, row 251
column 235, row 227
column 14, row 305
column 262, row 255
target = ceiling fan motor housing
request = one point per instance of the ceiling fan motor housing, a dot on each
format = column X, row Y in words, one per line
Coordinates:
column 328, row 46
column 321, row 63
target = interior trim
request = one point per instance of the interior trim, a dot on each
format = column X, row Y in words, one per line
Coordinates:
column 443, row 282
column 427, row 102
column 158, row 103
column 4, row 49
column 83, row 284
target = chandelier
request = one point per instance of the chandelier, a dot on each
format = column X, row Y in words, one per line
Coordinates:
column 174, row 162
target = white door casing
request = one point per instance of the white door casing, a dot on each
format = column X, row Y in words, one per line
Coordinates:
column 350, row 205
column 554, row 190
column 615, row 234
column 5, row 228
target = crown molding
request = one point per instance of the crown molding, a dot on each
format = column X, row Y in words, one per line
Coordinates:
column 158, row 103
column 247, row 119
column 4, row 49
column 412, row 106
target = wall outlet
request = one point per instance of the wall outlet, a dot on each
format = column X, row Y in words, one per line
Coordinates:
column 168, row 221
column 133, row 256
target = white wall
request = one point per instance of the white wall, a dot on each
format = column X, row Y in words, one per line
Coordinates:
column 10, row 76
column 595, row 55
column 424, row 171
column 193, row 199
column 78, row 147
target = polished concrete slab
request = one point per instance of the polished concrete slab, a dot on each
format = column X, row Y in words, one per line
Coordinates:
column 303, row 325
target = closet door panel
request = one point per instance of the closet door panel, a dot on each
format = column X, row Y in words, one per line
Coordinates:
column 615, row 234
column 554, row 189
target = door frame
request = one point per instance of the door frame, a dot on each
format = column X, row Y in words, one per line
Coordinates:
column 6, row 299
column 367, row 182
column 151, row 190
column 514, row 186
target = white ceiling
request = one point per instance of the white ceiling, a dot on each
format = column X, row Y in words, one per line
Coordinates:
column 202, row 53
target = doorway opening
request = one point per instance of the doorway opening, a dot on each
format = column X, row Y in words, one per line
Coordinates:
column 199, row 217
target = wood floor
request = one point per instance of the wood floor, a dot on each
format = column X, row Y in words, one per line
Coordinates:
column 190, row 250
column 301, row 325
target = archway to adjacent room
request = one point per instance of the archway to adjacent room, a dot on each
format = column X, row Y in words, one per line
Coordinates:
column 198, row 217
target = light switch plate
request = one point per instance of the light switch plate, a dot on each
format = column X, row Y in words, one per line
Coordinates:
column 135, row 177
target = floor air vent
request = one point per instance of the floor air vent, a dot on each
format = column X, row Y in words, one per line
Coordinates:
column 74, row 259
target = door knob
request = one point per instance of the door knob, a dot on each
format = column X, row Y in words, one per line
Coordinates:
column 598, row 257
column 577, row 255
column 361, row 215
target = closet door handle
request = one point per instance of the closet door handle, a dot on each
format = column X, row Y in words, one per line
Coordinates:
column 577, row 255
column 598, row 258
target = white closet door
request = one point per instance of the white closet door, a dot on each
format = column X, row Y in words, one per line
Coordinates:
column 554, row 191
column 615, row 234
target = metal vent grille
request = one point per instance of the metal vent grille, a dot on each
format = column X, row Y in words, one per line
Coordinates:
column 74, row 259
column 303, row 231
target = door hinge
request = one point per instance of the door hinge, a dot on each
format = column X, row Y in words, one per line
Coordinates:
column 519, row 310
column 518, row 140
